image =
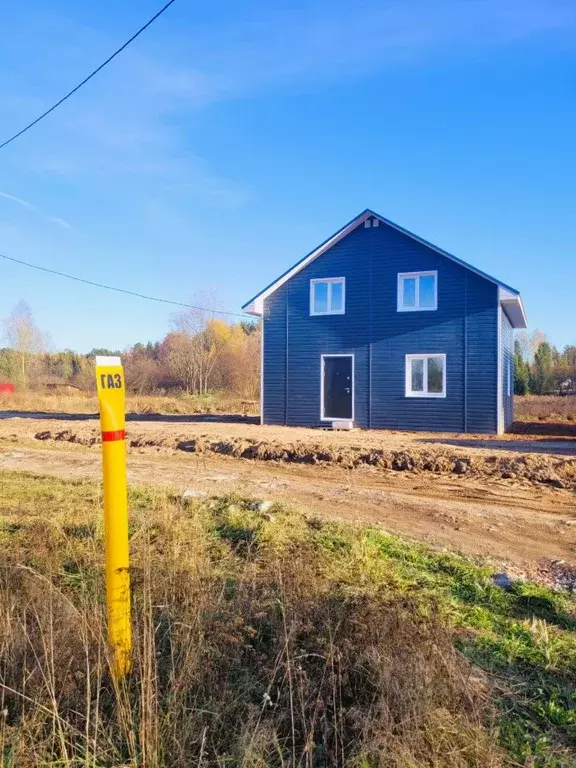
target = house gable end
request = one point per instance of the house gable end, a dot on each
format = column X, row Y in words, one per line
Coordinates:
column 511, row 296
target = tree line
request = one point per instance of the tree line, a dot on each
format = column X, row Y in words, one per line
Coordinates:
column 202, row 354
column 540, row 368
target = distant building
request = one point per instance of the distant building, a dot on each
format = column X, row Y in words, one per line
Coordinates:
column 380, row 329
column 55, row 384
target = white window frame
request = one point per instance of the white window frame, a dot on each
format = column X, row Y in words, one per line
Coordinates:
column 330, row 281
column 334, row 418
column 408, row 383
column 416, row 275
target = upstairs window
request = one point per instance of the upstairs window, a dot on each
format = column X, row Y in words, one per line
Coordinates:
column 426, row 375
column 417, row 291
column 327, row 296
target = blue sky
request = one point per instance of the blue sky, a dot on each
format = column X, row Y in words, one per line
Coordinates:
column 232, row 138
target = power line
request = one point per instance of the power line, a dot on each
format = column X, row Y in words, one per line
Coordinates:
column 122, row 290
column 90, row 76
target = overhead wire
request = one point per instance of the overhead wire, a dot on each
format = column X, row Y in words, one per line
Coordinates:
column 124, row 290
column 90, row 76
column 74, row 277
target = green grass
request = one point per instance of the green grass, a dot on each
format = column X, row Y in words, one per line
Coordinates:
column 524, row 638
column 431, row 663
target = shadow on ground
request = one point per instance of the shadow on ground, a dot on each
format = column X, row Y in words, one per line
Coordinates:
column 544, row 428
column 230, row 418
column 551, row 445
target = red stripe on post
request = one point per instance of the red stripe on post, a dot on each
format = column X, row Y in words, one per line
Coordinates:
column 109, row 437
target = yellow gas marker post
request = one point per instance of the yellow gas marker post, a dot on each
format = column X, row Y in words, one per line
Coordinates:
column 112, row 398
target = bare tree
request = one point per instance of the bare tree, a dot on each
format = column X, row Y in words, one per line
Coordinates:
column 528, row 343
column 179, row 357
column 23, row 335
column 143, row 374
column 195, row 351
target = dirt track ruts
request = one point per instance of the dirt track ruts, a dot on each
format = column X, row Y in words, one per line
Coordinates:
column 512, row 519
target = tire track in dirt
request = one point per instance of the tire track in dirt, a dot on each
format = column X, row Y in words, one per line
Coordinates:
column 515, row 525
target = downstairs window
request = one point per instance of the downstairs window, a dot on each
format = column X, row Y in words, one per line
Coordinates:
column 426, row 375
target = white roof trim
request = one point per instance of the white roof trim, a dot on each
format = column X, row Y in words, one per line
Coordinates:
column 511, row 301
column 256, row 306
column 514, row 309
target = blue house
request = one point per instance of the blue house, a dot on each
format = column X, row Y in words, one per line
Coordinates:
column 380, row 329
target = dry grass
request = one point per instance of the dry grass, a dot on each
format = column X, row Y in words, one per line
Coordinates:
column 542, row 407
column 258, row 643
column 546, row 407
column 84, row 403
column 267, row 640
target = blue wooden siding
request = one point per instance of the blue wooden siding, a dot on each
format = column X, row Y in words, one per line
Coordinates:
column 507, row 363
column 311, row 337
column 274, row 358
column 464, row 327
column 481, row 320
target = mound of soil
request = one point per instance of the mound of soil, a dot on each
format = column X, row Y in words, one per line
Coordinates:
column 536, row 469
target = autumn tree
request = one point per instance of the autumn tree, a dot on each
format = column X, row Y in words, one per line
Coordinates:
column 237, row 370
column 569, row 355
column 565, row 369
column 194, row 350
column 83, row 377
column 144, row 370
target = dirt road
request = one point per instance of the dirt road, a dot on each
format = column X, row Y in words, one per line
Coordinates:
column 513, row 523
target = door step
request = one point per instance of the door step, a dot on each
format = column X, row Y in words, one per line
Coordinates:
column 342, row 424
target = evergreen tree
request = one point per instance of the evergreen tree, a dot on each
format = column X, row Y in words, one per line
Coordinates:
column 543, row 370
column 521, row 372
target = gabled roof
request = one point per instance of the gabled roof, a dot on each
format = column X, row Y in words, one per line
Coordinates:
column 509, row 297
